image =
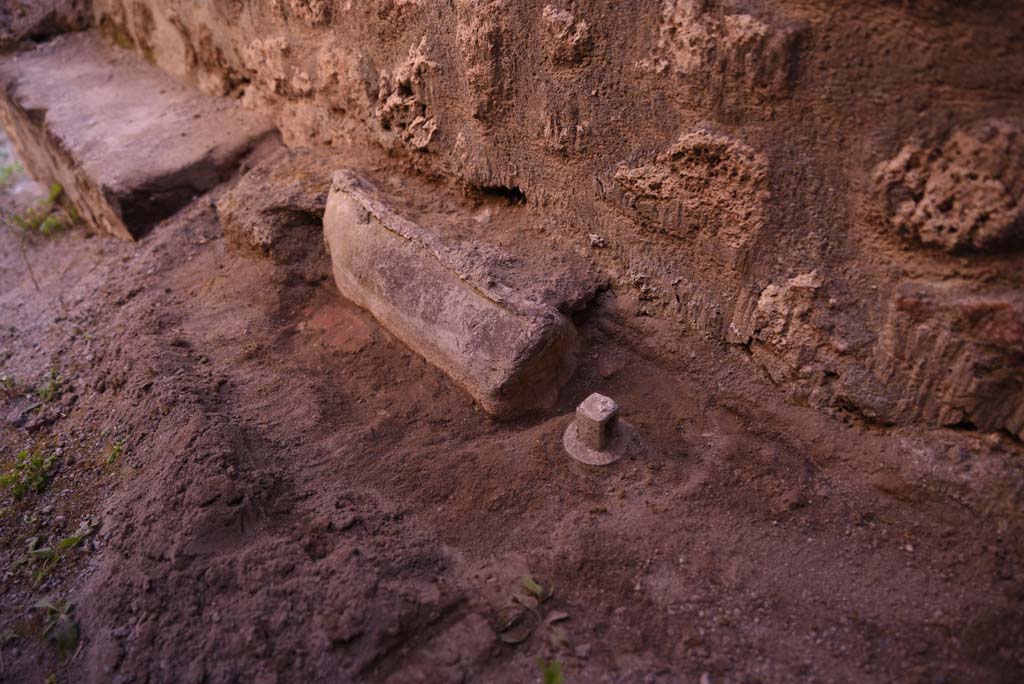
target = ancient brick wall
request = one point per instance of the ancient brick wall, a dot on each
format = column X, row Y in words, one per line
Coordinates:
column 835, row 188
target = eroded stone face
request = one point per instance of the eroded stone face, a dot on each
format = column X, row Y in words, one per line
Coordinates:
column 704, row 183
column 721, row 151
column 965, row 194
column 955, row 355
column 401, row 98
column 700, row 42
column 23, row 20
column 311, row 12
column 278, row 206
column 483, row 34
column 568, row 38
column 779, row 327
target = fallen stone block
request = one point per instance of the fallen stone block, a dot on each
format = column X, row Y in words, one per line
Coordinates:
column 446, row 296
column 129, row 144
column 273, row 207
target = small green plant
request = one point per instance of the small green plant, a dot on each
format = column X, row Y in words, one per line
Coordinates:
column 8, row 172
column 527, row 616
column 51, row 388
column 551, row 671
column 29, row 472
column 59, row 624
column 534, row 588
column 50, row 215
column 85, row 529
column 9, row 385
column 45, row 558
column 115, row 452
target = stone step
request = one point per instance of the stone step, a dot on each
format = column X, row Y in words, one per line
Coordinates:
column 129, row 144
column 491, row 318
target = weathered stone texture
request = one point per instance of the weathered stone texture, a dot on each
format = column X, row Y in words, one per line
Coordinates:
column 779, row 330
column 700, row 43
column 955, row 356
column 311, row 12
column 484, row 32
column 704, row 184
column 966, row 194
column 25, row 20
column 400, row 97
column 278, row 205
column 567, row 38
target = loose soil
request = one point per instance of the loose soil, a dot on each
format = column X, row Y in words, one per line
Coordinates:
column 300, row 498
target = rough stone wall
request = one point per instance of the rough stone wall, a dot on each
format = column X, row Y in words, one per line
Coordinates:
column 833, row 186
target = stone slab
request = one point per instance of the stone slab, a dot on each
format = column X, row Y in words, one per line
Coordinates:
column 511, row 350
column 129, row 143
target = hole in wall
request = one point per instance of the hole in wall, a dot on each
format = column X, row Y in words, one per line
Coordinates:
column 964, row 425
column 509, row 194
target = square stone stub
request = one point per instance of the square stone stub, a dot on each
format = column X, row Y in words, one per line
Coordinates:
column 596, row 420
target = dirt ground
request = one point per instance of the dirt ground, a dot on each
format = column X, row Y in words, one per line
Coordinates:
column 284, row 493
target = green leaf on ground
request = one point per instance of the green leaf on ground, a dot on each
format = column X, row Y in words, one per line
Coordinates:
column 533, row 587
column 551, row 671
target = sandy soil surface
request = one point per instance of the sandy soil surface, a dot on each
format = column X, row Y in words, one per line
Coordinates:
column 281, row 492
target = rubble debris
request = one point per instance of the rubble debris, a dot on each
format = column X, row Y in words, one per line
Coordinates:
column 273, row 206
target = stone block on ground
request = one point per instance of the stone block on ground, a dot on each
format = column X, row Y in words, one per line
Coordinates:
column 272, row 208
column 490, row 318
column 129, row 144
